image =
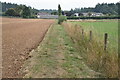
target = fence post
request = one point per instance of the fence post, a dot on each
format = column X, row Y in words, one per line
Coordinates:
column 105, row 41
column 90, row 35
column 82, row 33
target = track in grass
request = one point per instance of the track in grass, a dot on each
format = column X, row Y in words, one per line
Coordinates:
column 56, row 57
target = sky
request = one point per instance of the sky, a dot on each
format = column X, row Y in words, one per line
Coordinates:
column 65, row 4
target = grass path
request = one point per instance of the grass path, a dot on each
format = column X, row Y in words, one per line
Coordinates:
column 56, row 57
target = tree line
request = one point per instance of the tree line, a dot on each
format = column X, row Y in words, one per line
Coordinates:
column 9, row 9
column 105, row 8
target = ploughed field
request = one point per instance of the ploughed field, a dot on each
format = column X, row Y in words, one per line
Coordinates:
column 19, row 37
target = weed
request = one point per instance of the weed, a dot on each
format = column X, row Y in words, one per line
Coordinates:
column 93, row 53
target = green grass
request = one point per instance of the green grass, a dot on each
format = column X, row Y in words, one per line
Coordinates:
column 57, row 57
column 102, row 27
column 92, row 51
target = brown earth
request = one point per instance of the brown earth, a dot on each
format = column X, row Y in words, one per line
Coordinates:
column 19, row 37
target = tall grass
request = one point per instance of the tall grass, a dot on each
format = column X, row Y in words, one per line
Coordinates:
column 99, row 28
column 105, row 62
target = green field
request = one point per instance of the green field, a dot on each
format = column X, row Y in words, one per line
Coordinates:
column 99, row 28
column 103, row 61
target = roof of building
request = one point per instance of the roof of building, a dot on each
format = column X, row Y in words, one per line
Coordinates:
column 43, row 13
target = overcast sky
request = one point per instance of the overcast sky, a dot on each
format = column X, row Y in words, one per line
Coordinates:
column 65, row 4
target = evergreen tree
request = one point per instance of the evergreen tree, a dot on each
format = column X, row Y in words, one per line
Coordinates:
column 59, row 10
column 26, row 12
column 11, row 12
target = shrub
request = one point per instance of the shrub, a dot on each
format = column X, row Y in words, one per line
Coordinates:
column 99, row 17
column 33, row 17
column 26, row 12
column 11, row 12
column 61, row 19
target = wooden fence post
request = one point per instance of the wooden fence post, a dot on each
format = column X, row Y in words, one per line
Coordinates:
column 105, row 41
column 82, row 33
column 90, row 35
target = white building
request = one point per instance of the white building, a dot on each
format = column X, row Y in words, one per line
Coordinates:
column 93, row 14
column 43, row 15
column 76, row 14
column 85, row 14
column 97, row 14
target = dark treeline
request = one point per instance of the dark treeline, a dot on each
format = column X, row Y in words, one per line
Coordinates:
column 105, row 8
column 27, row 11
column 9, row 9
column 19, row 8
column 6, row 6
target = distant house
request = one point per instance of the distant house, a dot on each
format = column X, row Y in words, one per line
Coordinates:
column 44, row 15
column 93, row 14
column 85, row 14
column 97, row 14
column 76, row 14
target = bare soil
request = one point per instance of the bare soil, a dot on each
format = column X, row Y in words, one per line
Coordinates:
column 19, row 37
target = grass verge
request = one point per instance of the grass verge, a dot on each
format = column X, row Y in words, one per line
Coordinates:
column 99, row 28
column 105, row 62
column 57, row 57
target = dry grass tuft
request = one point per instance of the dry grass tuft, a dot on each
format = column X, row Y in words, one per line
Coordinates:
column 105, row 62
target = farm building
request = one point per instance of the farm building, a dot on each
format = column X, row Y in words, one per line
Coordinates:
column 97, row 14
column 93, row 14
column 76, row 14
column 85, row 14
column 44, row 15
